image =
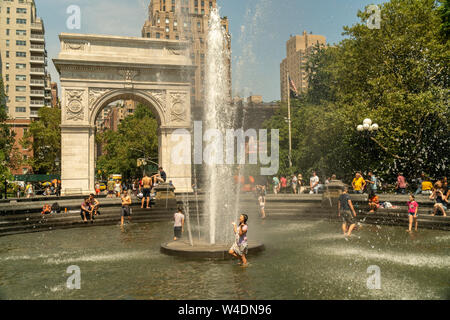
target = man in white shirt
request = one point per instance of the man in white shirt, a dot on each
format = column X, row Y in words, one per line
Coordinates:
column 314, row 183
column 178, row 227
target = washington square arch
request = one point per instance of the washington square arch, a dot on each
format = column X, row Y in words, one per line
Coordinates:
column 96, row 70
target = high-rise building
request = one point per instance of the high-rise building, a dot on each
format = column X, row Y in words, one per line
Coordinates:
column 298, row 48
column 24, row 58
column 185, row 20
column 24, row 68
column 55, row 98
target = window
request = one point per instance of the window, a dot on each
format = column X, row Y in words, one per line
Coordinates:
column 167, row 29
column 21, row 109
column 7, row 32
column 21, row 43
column 167, row 21
column 158, row 35
column 21, row 88
column 8, row 20
column 8, row 10
column 167, row 37
column 158, row 21
column 7, row 77
column 21, row 54
column 7, row 43
column 21, row 32
column 7, row 54
column 21, row 10
column 7, row 66
column 21, row 77
column 21, row 66
column 21, row 21
column 21, row 99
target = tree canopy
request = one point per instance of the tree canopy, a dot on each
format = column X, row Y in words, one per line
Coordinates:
column 6, row 137
column 44, row 137
column 135, row 138
column 398, row 76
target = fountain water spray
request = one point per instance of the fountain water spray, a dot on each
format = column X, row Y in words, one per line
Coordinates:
column 220, row 115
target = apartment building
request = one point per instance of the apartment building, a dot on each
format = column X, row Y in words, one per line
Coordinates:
column 185, row 20
column 24, row 58
column 24, row 67
column 298, row 48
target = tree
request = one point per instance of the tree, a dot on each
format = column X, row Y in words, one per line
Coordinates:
column 398, row 76
column 135, row 138
column 44, row 137
column 6, row 138
column 444, row 10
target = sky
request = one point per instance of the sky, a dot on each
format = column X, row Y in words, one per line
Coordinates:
column 259, row 30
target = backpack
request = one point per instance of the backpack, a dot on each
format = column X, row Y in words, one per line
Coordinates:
column 46, row 209
column 56, row 208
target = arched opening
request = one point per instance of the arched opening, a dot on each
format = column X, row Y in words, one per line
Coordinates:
column 126, row 141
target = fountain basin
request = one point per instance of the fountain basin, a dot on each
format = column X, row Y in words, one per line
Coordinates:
column 204, row 250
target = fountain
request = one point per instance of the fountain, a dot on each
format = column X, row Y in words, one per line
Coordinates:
column 222, row 196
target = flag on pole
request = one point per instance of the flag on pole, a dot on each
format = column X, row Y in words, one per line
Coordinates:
column 292, row 88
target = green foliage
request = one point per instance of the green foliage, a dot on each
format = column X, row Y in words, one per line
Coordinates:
column 6, row 137
column 135, row 138
column 444, row 10
column 44, row 137
column 398, row 76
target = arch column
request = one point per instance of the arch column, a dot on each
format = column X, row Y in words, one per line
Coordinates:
column 77, row 163
column 175, row 157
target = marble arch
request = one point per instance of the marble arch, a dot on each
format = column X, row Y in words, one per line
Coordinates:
column 96, row 70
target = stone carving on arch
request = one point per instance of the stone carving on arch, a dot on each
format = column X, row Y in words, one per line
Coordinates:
column 94, row 95
column 178, row 112
column 128, row 74
column 74, row 106
column 161, row 96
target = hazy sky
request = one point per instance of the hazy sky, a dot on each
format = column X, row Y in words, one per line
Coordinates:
column 259, row 28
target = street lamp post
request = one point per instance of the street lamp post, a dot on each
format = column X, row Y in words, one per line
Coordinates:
column 368, row 128
column 289, row 120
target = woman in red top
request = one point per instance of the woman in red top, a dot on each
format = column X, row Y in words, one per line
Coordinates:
column 413, row 207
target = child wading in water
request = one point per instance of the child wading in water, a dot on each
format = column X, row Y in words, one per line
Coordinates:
column 413, row 207
column 240, row 247
column 178, row 227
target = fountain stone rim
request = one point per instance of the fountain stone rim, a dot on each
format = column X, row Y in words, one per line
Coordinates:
column 182, row 248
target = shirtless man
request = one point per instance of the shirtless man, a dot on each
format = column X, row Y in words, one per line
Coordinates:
column 126, row 210
column 95, row 204
column 147, row 184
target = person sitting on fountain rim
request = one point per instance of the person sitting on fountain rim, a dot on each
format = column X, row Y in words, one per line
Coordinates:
column 374, row 202
column 178, row 227
column 95, row 204
column 86, row 211
column 345, row 203
column 240, row 247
